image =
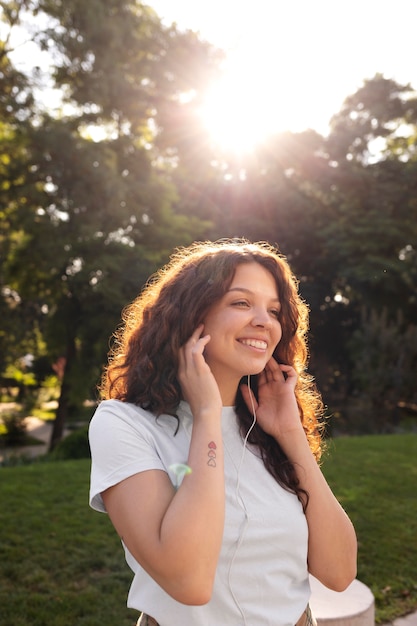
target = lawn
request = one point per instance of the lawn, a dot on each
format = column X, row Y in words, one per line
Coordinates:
column 61, row 563
column 375, row 479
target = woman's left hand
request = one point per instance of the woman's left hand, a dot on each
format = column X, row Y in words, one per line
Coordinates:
column 332, row 541
column 276, row 409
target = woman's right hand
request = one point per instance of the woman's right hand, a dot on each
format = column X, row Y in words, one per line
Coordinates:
column 179, row 536
column 198, row 385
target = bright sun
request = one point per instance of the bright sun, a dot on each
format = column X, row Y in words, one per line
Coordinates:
column 250, row 103
column 236, row 115
column 236, row 112
column 290, row 64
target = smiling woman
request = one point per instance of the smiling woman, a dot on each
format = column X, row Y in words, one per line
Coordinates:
column 204, row 449
column 248, row 315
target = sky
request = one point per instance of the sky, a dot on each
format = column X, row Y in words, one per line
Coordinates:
column 303, row 57
column 290, row 64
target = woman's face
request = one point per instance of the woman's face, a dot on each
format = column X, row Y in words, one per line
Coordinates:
column 244, row 328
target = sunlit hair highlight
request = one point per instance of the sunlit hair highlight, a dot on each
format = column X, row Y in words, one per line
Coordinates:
column 143, row 361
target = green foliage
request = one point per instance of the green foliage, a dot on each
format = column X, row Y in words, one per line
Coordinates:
column 378, row 110
column 384, row 361
column 83, row 222
column 73, row 446
column 89, row 221
column 372, row 226
column 13, row 432
column 21, row 376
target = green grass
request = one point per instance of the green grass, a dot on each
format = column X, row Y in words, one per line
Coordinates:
column 61, row 563
column 375, row 479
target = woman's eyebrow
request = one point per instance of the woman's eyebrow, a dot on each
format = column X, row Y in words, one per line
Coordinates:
column 246, row 290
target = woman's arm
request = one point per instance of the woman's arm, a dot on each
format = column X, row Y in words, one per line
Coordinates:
column 176, row 535
column 332, row 546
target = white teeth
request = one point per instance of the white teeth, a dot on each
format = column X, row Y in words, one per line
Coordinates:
column 255, row 343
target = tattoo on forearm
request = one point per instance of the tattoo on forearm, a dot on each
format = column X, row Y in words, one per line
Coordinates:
column 211, row 454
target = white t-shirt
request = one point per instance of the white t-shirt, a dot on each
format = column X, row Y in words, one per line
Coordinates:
column 262, row 577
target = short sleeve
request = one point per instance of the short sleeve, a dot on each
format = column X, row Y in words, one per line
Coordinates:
column 120, row 447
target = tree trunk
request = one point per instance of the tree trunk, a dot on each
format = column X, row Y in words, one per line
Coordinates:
column 63, row 403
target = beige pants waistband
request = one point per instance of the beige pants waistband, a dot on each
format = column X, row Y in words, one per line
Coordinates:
column 306, row 619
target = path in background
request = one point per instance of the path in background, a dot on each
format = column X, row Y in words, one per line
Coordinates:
column 407, row 620
column 37, row 428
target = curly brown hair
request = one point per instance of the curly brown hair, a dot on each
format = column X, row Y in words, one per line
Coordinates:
column 143, row 361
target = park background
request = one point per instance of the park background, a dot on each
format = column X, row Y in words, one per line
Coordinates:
column 107, row 163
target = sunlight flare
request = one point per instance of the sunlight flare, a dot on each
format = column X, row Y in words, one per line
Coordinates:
column 255, row 98
column 238, row 112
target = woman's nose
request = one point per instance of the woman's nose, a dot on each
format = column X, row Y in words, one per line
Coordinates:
column 261, row 318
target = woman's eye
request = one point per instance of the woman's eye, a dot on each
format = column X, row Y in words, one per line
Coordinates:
column 241, row 303
column 275, row 313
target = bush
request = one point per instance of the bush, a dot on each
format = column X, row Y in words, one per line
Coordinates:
column 15, row 429
column 384, row 357
column 74, row 446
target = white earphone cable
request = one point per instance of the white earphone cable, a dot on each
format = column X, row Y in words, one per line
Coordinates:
column 241, row 504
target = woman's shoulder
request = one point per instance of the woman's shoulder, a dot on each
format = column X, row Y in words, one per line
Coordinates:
column 118, row 407
column 118, row 414
column 115, row 411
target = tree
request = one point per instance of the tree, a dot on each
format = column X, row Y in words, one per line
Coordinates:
column 384, row 354
column 96, row 217
column 370, row 119
column 16, row 102
column 374, row 212
column 371, row 228
column 342, row 212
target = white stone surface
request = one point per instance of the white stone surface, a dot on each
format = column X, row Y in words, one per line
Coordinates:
column 353, row 607
column 407, row 620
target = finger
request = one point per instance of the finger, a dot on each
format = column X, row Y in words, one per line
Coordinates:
column 194, row 338
column 289, row 374
column 272, row 364
column 280, row 370
column 273, row 372
column 197, row 348
column 249, row 398
column 288, row 369
column 186, row 349
column 193, row 353
column 196, row 334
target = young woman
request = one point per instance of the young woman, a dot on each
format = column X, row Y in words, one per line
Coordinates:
column 205, row 448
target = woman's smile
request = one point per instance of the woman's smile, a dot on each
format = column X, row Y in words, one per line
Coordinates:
column 244, row 327
column 258, row 344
